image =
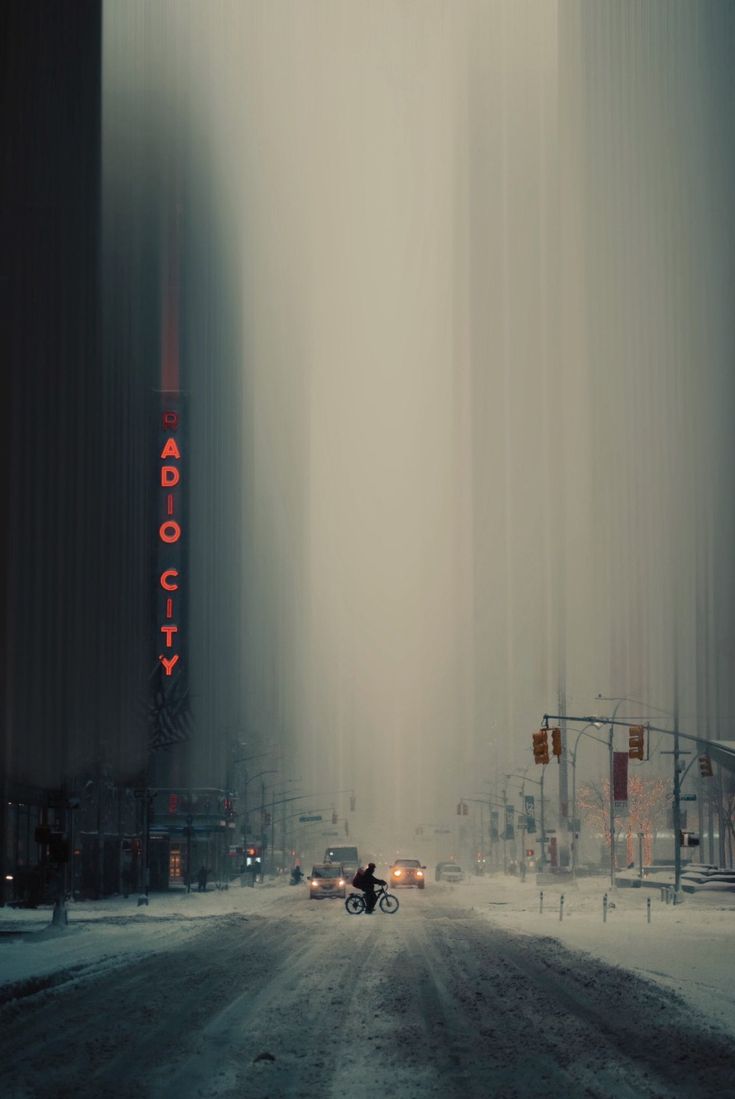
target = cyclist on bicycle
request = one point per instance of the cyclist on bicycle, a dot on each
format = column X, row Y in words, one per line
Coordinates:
column 368, row 881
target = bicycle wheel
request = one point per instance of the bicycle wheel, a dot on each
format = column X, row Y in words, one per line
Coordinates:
column 355, row 904
column 388, row 903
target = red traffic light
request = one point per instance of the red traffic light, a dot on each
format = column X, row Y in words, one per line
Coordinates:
column 637, row 742
column 556, row 742
column 705, row 767
column 540, row 742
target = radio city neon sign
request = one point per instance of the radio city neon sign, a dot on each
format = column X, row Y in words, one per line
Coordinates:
column 169, row 533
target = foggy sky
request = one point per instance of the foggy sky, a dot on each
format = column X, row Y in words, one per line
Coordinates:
column 474, row 269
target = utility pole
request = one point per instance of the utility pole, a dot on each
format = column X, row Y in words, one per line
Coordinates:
column 564, row 853
column 612, row 801
column 505, row 831
column 543, row 825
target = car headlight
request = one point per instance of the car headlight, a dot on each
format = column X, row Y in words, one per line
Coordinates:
column 419, row 873
column 314, row 884
column 396, row 873
column 341, row 882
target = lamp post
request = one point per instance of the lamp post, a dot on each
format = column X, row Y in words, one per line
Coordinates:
column 539, row 783
column 611, row 722
column 581, row 733
column 273, row 815
column 246, row 783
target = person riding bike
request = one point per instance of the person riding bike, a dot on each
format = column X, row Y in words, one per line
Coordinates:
column 368, row 881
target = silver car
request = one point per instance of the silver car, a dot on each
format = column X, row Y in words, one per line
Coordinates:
column 451, row 872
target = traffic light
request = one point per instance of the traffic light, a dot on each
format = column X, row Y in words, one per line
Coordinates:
column 705, row 767
column 636, row 742
column 541, row 746
column 556, row 743
column 173, row 803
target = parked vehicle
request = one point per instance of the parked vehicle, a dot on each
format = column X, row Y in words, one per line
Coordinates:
column 449, row 872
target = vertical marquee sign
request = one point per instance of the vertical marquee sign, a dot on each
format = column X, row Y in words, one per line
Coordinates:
column 170, row 707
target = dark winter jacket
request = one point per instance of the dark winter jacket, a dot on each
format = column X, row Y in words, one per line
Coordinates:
column 369, row 881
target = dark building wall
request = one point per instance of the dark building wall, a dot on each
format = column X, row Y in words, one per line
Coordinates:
column 74, row 562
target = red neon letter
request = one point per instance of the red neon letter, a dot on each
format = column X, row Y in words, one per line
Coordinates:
column 170, row 531
column 170, row 421
column 169, row 632
column 169, row 476
column 170, row 450
column 165, row 583
column 168, row 662
column 169, row 607
column 170, row 504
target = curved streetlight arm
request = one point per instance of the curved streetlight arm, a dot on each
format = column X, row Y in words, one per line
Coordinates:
column 271, row 771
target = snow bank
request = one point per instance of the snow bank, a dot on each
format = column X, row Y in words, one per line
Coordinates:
column 687, row 947
column 111, row 932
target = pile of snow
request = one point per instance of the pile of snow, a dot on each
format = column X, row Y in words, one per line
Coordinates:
column 687, row 947
column 104, row 934
column 708, row 879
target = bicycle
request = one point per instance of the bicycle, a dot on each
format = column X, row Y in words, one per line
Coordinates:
column 355, row 902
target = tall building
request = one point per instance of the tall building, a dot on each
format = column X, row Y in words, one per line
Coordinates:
column 112, row 288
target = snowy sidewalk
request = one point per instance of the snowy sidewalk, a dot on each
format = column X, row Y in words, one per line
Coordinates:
column 104, row 934
column 688, row 947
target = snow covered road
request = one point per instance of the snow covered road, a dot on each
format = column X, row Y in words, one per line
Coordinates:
column 281, row 996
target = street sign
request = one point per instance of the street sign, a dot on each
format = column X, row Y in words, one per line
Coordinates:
column 687, row 797
column 309, row 817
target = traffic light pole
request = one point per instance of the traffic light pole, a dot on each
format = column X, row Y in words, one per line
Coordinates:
column 676, row 753
column 612, row 803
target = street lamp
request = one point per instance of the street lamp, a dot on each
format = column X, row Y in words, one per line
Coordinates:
column 536, row 782
column 611, row 722
column 581, row 733
column 246, row 783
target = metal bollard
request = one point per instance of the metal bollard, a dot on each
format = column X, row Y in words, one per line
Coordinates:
column 604, row 909
column 541, row 903
column 648, row 909
column 561, row 908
